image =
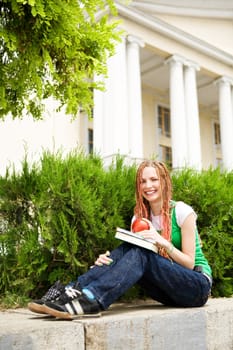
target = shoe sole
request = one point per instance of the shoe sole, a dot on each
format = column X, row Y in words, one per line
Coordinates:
column 66, row 316
column 37, row 308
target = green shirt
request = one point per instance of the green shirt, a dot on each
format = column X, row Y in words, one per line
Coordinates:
column 200, row 259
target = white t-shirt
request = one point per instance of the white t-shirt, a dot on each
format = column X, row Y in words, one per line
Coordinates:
column 183, row 210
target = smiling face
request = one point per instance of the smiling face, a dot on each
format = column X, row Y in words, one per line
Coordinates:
column 150, row 186
column 153, row 190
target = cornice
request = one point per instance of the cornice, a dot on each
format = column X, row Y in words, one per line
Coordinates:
column 219, row 9
column 174, row 33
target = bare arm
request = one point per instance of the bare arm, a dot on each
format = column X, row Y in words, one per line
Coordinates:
column 185, row 256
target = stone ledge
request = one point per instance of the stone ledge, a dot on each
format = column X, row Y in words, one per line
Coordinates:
column 146, row 326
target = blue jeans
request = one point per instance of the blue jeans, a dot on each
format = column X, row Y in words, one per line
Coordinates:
column 163, row 280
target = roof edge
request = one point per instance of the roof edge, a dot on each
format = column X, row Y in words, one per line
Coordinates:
column 193, row 10
column 174, row 33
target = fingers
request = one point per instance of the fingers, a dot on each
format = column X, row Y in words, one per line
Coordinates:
column 149, row 222
column 103, row 259
column 150, row 234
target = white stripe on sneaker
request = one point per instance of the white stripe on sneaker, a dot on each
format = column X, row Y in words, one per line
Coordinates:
column 77, row 307
column 69, row 309
column 74, row 308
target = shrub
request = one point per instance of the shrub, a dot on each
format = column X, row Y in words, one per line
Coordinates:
column 59, row 214
column 210, row 193
column 56, row 217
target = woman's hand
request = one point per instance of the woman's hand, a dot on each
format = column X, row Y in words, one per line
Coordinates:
column 153, row 235
column 185, row 256
column 103, row 259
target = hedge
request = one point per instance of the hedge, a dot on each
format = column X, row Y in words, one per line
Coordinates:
column 58, row 214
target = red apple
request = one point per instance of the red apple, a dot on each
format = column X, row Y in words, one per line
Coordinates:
column 140, row 225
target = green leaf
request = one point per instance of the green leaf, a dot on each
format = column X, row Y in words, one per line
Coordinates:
column 53, row 48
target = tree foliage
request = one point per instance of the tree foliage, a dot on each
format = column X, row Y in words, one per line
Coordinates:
column 53, row 48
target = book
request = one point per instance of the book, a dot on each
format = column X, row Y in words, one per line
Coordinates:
column 135, row 238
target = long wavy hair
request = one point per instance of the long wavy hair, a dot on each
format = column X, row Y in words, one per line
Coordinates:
column 142, row 208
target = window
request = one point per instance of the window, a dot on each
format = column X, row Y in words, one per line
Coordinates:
column 90, row 141
column 217, row 144
column 217, row 136
column 164, row 142
column 164, row 121
column 165, row 155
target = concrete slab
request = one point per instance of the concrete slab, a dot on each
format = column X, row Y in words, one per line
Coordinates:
column 145, row 326
column 22, row 330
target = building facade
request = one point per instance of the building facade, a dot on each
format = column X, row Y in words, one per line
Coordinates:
column 169, row 92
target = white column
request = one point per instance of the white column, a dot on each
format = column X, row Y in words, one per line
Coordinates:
column 111, row 109
column 177, row 106
column 134, row 97
column 98, row 122
column 192, row 116
column 226, row 121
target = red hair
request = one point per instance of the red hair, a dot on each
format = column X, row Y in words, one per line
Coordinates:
column 142, row 207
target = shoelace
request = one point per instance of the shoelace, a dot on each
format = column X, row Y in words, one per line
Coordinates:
column 69, row 294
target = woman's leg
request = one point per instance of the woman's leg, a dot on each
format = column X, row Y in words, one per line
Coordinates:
column 184, row 287
column 173, row 284
column 181, row 286
column 95, row 272
column 155, row 292
column 122, row 274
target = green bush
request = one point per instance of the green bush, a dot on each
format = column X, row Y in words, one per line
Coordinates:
column 58, row 215
column 210, row 193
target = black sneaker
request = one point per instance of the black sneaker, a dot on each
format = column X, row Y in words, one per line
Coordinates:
column 73, row 304
column 51, row 295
